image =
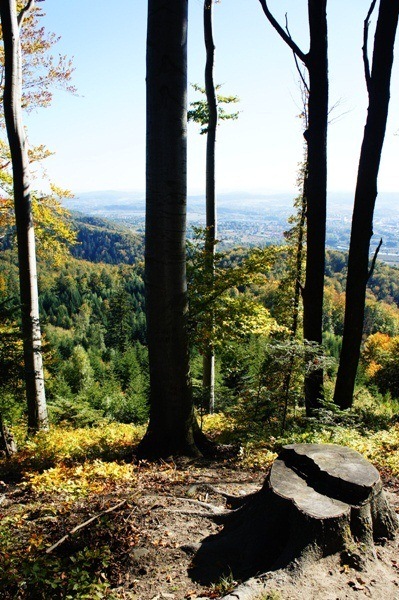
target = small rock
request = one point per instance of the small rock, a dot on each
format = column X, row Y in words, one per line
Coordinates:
column 138, row 553
column 355, row 586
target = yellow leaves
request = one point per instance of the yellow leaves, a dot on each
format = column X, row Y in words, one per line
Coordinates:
column 53, row 231
column 6, row 213
column 77, row 444
column 3, row 285
column 377, row 348
column 223, row 303
column 52, row 227
column 375, row 344
column 60, row 192
column 217, row 423
column 257, row 456
column 372, row 369
column 65, row 449
column 39, row 153
column 240, row 316
column 82, row 480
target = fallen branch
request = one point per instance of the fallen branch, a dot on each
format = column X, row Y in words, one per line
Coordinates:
column 83, row 525
column 218, row 516
column 207, row 487
column 209, row 506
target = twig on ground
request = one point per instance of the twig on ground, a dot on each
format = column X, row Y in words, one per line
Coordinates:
column 84, row 524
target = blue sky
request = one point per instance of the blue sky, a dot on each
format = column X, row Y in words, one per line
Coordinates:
column 99, row 134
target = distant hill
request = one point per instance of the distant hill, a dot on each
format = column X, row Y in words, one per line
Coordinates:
column 101, row 240
column 130, row 204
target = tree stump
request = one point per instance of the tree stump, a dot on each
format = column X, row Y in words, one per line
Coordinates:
column 8, row 446
column 318, row 499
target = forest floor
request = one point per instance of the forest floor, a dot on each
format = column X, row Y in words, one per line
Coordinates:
column 133, row 533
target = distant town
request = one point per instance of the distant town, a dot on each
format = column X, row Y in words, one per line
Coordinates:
column 250, row 220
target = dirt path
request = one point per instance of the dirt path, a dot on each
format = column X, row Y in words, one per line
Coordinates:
column 149, row 535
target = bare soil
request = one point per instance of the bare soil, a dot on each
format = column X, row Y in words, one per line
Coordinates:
column 152, row 537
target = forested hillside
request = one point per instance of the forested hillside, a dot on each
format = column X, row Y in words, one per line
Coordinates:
column 94, row 325
column 102, row 241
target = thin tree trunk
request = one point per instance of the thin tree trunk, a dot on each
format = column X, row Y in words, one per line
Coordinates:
column 298, row 263
column 7, row 441
column 35, row 393
column 378, row 84
column 297, row 298
column 172, row 425
column 208, row 379
column 315, row 187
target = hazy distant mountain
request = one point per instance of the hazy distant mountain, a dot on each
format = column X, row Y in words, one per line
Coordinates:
column 111, row 203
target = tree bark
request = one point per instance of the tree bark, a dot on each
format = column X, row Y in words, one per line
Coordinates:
column 208, row 379
column 315, row 187
column 318, row 500
column 34, row 379
column 315, row 182
column 378, row 84
column 172, row 423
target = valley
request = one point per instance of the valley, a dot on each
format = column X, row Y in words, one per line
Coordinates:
column 252, row 220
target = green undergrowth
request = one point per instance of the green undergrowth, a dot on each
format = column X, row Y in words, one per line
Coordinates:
column 371, row 428
column 65, row 476
column 66, row 448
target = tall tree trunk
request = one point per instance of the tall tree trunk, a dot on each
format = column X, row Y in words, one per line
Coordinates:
column 172, row 424
column 35, row 394
column 378, row 86
column 315, row 184
column 208, row 379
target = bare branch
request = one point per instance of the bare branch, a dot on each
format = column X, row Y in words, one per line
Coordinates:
column 304, row 82
column 220, row 518
column 24, row 11
column 366, row 62
column 374, row 260
column 85, row 524
column 283, row 34
column 336, row 105
column 301, row 75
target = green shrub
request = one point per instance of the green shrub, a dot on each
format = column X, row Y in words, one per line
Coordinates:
column 73, row 411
